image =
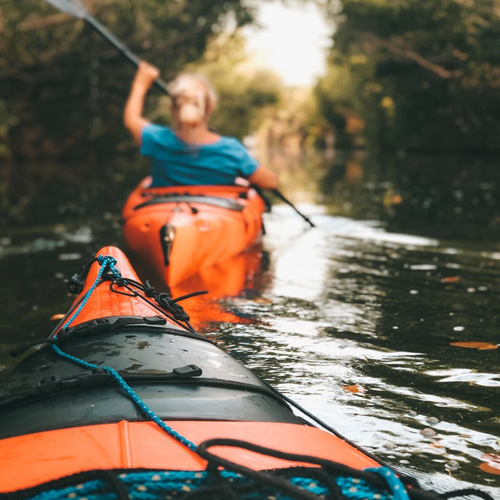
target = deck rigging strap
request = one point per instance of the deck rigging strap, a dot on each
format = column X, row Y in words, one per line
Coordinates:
column 163, row 302
column 369, row 483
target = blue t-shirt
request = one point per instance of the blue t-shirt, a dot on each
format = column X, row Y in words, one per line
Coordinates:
column 177, row 163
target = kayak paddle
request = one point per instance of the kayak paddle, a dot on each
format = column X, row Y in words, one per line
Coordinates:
column 76, row 9
column 280, row 195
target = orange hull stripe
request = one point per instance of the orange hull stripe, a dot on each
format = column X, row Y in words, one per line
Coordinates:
column 32, row 459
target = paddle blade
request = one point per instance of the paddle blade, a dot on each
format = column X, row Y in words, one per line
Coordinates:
column 73, row 7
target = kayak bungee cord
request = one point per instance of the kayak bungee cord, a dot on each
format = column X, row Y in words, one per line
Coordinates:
column 108, row 263
column 132, row 395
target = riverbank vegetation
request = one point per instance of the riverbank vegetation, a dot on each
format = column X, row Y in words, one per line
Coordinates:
column 414, row 74
column 404, row 75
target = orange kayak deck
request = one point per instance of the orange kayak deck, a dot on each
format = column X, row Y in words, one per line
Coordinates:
column 28, row 460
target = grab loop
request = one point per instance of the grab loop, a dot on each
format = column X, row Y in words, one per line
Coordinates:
column 109, row 264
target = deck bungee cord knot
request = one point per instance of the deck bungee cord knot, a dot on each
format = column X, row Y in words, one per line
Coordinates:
column 163, row 302
column 108, row 271
column 106, row 263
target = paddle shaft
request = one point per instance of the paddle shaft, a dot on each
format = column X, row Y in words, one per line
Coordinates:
column 75, row 8
column 280, row 195
column 122, row 48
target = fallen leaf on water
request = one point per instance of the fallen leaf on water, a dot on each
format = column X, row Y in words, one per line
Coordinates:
column 482, row 346
column 262, row 300
column 55, row 317
column 355, row 389
column 488, row 468
column 392, row 198
column 450, row 279
column 491, row 463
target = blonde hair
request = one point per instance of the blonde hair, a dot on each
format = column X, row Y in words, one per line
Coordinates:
column 177, row 87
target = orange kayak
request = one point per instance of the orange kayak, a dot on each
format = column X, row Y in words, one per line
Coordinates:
column 126, row 400
column 179, row 231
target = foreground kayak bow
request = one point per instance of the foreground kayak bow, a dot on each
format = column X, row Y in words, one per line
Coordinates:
column 126, row 400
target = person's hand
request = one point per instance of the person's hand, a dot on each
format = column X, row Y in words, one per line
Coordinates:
column 146, row 75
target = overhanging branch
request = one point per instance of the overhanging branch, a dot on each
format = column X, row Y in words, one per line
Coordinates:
column 398, row 49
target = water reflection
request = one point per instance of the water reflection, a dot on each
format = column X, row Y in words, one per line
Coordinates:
column 372, row 298
column 235, row 278
column 445, row 197
column 373, row 314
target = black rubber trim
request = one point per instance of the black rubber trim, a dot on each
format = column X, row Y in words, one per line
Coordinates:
column 101, row 379
column 120, row 324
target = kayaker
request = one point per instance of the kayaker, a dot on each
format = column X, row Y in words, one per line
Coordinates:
column 191, row 153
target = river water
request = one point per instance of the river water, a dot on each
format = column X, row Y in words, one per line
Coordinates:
column 362, row 319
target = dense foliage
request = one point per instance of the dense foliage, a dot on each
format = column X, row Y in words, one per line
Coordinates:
column 63, row 85
column 414, row 74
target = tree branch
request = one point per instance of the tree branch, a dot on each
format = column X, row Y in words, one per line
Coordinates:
column 396, row 48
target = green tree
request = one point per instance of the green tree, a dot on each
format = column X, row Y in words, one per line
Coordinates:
column 421, row 74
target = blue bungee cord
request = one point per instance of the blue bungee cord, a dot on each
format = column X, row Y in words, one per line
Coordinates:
column 106, row 262
column 109, row 263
